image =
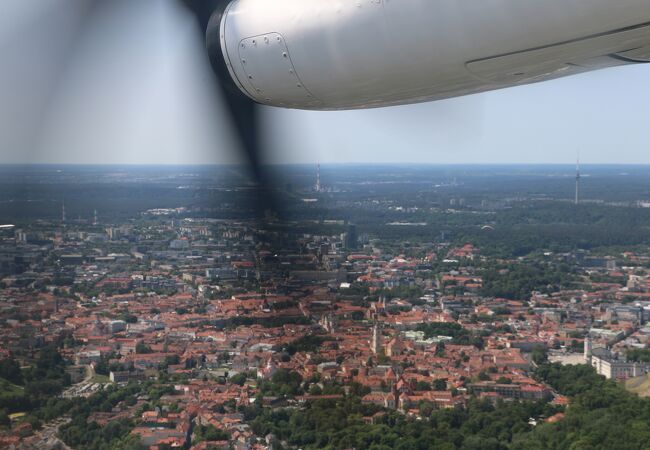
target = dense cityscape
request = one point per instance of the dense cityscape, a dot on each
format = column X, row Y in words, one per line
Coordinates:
column 367, row 307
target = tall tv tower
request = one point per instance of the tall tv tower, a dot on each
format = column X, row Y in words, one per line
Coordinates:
column 318, row 186
column 578, row 180
column 63, row 218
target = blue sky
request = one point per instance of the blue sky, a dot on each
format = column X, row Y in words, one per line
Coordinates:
column 138, row 90
column 601, row 115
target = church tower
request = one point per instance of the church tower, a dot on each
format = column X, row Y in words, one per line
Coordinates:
column 578, row 177
column 588, row 348
column 376, row 339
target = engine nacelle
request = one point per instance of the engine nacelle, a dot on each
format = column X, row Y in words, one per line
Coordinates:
column 349, row 54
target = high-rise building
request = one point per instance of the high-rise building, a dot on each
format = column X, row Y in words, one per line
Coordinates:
column 113, row 233
column 351, row 238
column 63, row 218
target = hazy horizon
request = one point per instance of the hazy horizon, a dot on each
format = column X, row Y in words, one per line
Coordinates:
column 326, row 164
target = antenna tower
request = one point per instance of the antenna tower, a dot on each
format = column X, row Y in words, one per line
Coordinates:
column 578, row 176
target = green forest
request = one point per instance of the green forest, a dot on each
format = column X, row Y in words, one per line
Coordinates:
column 518, row 281
column 602, row 415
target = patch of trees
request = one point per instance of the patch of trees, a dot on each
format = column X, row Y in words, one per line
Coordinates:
column 239, row 379
column 517, row 281
column 10, row 371
column 107, row 364
column 141, row 348
column 209, row 433
column 279, row 306
column 36, row 385
column 459, row 335
column 639, row 355
column 84, row 435
column 340, row 425
column 128, row 317
column 37, row 392
column 309, row 343
column 434, row 329
column 283, row 383
column 602, row 414
column 523, row 239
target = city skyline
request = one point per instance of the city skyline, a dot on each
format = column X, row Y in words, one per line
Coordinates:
column 152, row 303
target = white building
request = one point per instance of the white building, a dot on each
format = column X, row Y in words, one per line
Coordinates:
column 612, row 365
